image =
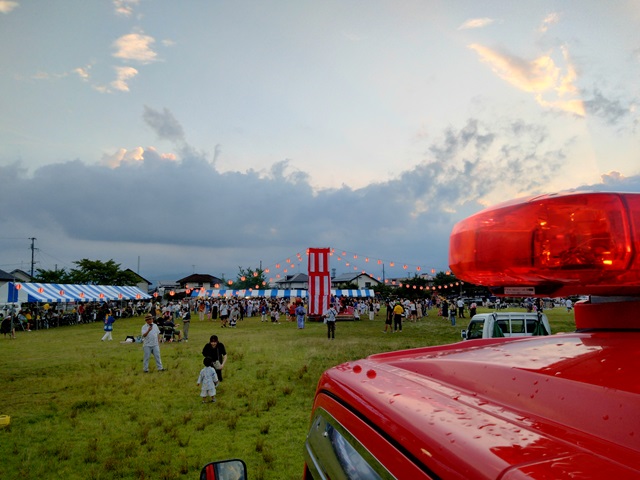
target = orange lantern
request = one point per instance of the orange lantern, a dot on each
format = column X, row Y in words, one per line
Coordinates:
column 81, row 294
column 155, row 295
column 40, row 290
column 138, row 296
column 18, row 286
column 243, row 278
column 392, row 264
column 230, row 282
column 61, row 293
column 102, row 295
column 120, row 296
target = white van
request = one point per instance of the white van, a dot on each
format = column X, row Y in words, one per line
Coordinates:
column 506, row 324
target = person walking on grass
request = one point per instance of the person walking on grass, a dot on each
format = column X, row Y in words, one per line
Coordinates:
column 108, row 326
column 330, row 319
column 208, row 379
column 398, row 312
column 150, row 333
column 300, row 313
column 216, row 351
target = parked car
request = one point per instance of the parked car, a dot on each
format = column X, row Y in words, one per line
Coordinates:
column 506, row 324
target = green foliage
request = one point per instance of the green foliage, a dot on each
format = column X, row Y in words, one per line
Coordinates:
column 93, row 272
column 81, row 408
column 249, row 278
column 52, row 276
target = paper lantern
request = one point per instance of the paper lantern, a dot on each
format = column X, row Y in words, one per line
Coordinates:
column 392, row 264
column 40, row 290
column 243, row 278
column 155, row 295
column 18, row 286
column 81, row 294
column 102, row 295
column 120, row 296
column 138, row 296
column 255, row 274
column 61, row 293
column 230, row 282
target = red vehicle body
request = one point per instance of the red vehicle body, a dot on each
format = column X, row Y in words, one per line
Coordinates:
column 552, row 407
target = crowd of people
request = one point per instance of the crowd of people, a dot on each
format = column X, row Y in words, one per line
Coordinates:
column 170, row 322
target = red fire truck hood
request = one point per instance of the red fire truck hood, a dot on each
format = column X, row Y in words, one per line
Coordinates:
column 546, row 407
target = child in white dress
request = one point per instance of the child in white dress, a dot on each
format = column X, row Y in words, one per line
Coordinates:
column 208, row 380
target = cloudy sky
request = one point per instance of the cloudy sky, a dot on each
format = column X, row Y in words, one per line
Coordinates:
column 201, row 136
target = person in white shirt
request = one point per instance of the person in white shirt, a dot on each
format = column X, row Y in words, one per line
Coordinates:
column 330, row 318
column 150, row 345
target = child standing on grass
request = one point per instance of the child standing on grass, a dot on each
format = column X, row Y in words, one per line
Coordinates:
column 108, row 326
column 208, row 380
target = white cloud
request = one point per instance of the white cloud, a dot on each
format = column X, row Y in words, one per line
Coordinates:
column 7, row 6
column 125, row 7
column 550, row 19
column 476, row 23
column 123, row 74
column 540, row 76
column 135, row 47
column 83, row 72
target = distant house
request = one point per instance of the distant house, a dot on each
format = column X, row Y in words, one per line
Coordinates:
column 362, row 280
column 6, row 277
column 199, row 280
column 142, row 283
column 291, row 282
column 20, row 275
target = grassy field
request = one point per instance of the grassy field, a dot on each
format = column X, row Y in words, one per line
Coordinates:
column 83, row 409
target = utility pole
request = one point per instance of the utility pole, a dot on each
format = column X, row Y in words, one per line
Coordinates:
column 33, row 239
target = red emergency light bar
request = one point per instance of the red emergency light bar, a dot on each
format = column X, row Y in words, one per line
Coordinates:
column 562, row 244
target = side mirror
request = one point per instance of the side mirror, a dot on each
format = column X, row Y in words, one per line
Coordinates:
column 463, row 334
column 234, row 469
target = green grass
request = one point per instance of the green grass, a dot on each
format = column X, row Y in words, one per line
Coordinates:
column 82, row 409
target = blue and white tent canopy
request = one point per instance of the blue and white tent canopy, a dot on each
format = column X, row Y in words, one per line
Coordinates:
column 13, row 292
column 274, row 293
column 271, row 293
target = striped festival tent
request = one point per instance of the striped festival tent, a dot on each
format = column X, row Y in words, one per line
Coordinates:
column 275, row 293
column 14, row 292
